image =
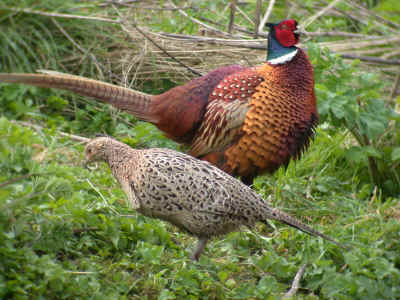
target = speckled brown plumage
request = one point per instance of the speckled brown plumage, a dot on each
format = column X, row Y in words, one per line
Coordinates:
column 192, row 194
column 246, row 121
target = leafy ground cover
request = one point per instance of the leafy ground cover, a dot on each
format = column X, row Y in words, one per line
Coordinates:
column 66, row 233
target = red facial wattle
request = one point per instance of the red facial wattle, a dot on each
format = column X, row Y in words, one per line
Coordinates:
column 285, row 33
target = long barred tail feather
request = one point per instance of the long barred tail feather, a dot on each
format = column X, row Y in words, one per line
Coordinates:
column 275, row 214
column 131, row 101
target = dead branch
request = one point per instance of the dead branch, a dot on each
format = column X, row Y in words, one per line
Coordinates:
column 341, row 33
column 356, row 44
column 258, row 17
column 372, row 59
column 40, row 128
column 311, row 19
column 296, row 282
column 266, row 16
column 395, row 52
column 232, row 16
column 252, row 44
column 244, row 15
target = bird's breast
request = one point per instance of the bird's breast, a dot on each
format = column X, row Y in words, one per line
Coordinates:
column 279, row 123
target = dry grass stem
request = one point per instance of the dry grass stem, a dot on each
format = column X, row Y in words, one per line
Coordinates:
column 266, row 16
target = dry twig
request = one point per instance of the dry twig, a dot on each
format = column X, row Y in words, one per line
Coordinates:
column 296, row 282
column 266, row 16
column 311, row 19
column 244, row 15
column 356, row 44
column 341, row 33
column 258, row 17
column 79, row 47
column 38, row 127
column 374, row 15
column 199, row 22
column 372, row 59
column 232, row 16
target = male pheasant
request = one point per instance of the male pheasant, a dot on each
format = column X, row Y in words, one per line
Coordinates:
column 192, row 194
column 245, row 120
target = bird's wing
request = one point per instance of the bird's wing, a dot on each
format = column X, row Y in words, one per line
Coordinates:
column 182, row 181
column 225, row 112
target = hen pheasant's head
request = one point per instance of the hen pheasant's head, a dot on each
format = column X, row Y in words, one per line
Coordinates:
column 282, row 38
column 96, row 149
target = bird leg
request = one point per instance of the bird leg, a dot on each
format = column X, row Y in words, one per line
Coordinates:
column 201, row 244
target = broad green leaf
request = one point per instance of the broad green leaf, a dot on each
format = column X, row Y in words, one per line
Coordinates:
column 395, row 154
column 356, row 154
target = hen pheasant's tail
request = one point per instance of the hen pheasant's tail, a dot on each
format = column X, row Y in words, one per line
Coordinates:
column 131, row 101
column 280, row 216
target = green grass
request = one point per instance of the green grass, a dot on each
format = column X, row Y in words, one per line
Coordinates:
column 67, row 233
column 63, row 236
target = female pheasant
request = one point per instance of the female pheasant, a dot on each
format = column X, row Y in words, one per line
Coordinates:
column 244, row 120
column 191, row 194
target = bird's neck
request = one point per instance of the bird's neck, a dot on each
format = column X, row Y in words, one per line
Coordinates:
column 298, row 74
column 277, row 54
column 117, row 154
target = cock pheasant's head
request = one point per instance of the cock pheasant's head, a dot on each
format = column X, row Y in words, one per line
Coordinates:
column 282, row 39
